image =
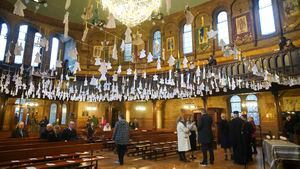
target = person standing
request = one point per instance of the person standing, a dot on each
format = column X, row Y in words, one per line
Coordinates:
column 43, row 123
column 55, row 134
column 183, row 139
column 90, row 132
column 288, row 128
column 247, row 131
column 253, row 135
column 206, row 137
column 19, row 131
column 193, row 136
column 224, row 135
column 121, row 137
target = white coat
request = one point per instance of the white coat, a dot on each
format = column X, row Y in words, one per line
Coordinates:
column 183, row 137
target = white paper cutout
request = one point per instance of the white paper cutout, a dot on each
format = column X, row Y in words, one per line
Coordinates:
column 18, row 49
column 142, row 54
column 111, row 23
column 19, row 8
column 66, row 22
column 37, row 58
column 129, row 71
column 59, row 64
column 128, row 38
column 185, row 62
column 119, row 71
column 115, row 52
column 158, row 66
column 108, row 65
column 97, row 61
column 122, row 47
column 7, row 56
column 149, row 58
column 67, row 5
column 171, row 61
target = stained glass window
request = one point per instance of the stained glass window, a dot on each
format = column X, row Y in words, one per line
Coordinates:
column 64, row 114
column 235, row 102
column 156, row 44
column 222, row 27
column 187, row 39
column 252, row 108
column 53, row 110
column 128, row 52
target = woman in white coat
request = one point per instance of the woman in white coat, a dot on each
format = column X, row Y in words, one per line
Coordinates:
column 183, row 138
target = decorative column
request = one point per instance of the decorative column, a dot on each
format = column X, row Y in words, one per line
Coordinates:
column 158, row 113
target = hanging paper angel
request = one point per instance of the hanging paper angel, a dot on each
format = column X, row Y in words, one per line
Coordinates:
column 37, row 58
column 185, row 62
column 44, row 43
column 188, row 15
column 111, row 23
column 76, row 67
column 67, row 5
column 119, row 71
column 158, row 66
column 142, row 54
column 7, row 56
column 85, row 83
column 115, row 77
column 171, row 61
column 18, row 49
column 19, row 8
column 212, row 34
column 128, row 38
column 122, row 46
column 150, row 57
column 115, row 52
column 97, row 61
column 59, row 64
column 155, row 77
column 103, row 68
column 108, row 65
column 145, row 75
column 129, row 71
column 227, row 51
column 137, row 39
column 73, row 53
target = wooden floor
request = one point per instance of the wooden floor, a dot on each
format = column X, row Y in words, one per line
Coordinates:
column 173, row 163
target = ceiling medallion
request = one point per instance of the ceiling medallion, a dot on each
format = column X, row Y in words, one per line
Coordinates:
column 131, row 12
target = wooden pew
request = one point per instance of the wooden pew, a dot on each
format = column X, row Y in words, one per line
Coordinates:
column 17, row 154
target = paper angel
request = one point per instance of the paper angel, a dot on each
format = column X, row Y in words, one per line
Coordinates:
column 149, row 58
column 59, row 64
column 115, row 77
column 142, row 54
column 108, row 65
column 85, row 32
column 122, row 47
column 37, row 58
column 93, row 81
column 21, row 69
column 129, row 71
column 128, row 38
column 44, row 43
column 66, row 22
column 7, row 56
column 67, row 5
column 97, row 61
column 115, row 52
column 76, row 67
column 137, row 39
column 103, row 68
column 88, row 12
column 18, row 49
column 188, row 15
column 85, row 83
column 171, row 61
column 185, row 62
column 158, row 66
column 19, row 8
column 119, row 71
column 111, row 23
column 155, row 77
column 145, row 75
column 212, row 34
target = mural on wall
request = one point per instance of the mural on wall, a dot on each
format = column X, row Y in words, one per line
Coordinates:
column 170, row 44
column 202, row 41
column 291, row 10
column 290, row 104
column 241, row 22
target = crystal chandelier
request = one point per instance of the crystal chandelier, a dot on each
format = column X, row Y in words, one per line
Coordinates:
column 131, row 12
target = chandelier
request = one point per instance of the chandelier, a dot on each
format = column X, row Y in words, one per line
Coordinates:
column 131, row 12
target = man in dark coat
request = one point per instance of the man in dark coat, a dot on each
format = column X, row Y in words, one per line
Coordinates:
column 44, row 134
column 121, row 137
column 224, row 135
column 55, row 134
column 205, row 137
column 238, row 133
column 70, row 134
column 19, row 131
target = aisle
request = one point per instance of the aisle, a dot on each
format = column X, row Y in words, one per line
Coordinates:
column 170, row 162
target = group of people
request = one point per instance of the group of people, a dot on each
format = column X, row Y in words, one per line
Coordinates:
column 50, row 132
column 237, row 137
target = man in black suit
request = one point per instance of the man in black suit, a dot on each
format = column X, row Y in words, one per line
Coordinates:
column 205, row 137
column 19, row 131
column 49, row 129
column 70, row 134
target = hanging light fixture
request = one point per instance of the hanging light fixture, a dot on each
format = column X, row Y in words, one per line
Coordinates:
column 131, row 12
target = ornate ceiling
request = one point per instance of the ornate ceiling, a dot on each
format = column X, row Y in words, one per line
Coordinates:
column 56, row 8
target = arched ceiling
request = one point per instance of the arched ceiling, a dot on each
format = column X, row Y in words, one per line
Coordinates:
column 56, row 8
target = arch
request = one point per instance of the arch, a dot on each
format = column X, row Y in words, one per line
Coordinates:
column 187, row 39
column 236, row 103
column 53, row 113
column 252, row 108
column 222, row 23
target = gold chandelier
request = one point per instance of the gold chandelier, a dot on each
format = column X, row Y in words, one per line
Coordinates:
column 131, row 12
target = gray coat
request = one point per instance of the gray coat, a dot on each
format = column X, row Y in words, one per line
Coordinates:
column 121, row 133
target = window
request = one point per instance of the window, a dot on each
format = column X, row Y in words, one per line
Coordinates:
column 53, row 110
column 54, row 53
column 128, row 52
column 3, row 40
column 266, row 17
column 21, row 41
column 64, row 114
column 235, row 102
column 36, row 48
column 156, row 44
column 222, row 27
column 187, row 39
column 252, row 109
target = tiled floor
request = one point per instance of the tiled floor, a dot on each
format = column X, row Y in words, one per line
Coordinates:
column 172, row 162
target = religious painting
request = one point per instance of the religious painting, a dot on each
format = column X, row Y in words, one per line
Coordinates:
column 242, row 29
column 170, row 44
column 241, row 25
column 128, row 52
column 291, row 7
column 201, row 38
